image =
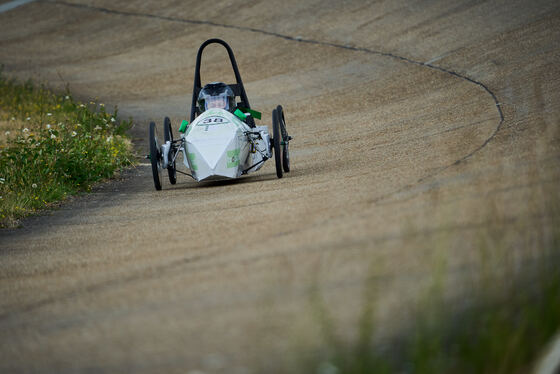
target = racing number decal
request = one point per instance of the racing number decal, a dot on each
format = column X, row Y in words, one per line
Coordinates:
column 210, row 121
column 213, row 120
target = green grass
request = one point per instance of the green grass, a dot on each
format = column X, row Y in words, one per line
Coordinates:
column 500, row 321
column 52, row 146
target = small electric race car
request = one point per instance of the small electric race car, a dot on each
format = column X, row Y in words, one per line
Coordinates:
column 222, row 140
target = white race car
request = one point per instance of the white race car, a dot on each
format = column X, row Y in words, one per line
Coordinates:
column 221, row 140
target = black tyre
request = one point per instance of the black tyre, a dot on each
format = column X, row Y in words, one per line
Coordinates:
column 276, row 140
column 285, row 140
column 155, row 156
column 168, row 136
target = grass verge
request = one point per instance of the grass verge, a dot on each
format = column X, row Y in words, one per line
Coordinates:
column 506, row 311
column 52, row 146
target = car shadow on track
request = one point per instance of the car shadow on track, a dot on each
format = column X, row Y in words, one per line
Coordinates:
column 188, row 183
column 191, row 184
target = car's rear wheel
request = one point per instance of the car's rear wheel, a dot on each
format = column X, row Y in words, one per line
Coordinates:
column 276, row 140
column 155, row 156
column 171, row 165
column 285, row 140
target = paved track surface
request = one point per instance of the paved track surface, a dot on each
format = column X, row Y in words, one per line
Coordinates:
column 416, row 125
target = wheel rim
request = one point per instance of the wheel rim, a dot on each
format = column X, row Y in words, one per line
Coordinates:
column 285, row 139
column 168, row 136
column 167, row 131
column 286, row 157
column 155, row 156
column 276, row 142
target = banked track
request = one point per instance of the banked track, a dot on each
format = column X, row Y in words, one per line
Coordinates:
column 299, row 39
column 295, row 39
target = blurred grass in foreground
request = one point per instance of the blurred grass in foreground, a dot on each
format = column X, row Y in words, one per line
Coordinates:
column 52, row 146
column 500, row 321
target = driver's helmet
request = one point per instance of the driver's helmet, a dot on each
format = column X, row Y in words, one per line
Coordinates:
column 216, row 95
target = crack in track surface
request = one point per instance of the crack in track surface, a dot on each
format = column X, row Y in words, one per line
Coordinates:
column 322, row 43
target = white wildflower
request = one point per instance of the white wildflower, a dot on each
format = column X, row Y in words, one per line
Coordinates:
column 82, row 105
column 28, row 119
column 109, row 139
column 7, row 133
column 113, row 119
column 49, row 114
column 66, row 97
column 53, row 136
column 48, row 126
column 34, row 185
column 97, row 128
column 25, row 130
column 74, row 133
column 105, row 120
column 13, row 118
column 2, row 180
column 101, row 104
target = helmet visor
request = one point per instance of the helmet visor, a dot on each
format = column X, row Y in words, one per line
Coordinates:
column 219, row 101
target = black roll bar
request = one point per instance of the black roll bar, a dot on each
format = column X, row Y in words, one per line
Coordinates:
column 237, row 88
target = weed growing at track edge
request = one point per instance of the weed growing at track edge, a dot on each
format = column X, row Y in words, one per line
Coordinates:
column 500, row 320
column 52, row 146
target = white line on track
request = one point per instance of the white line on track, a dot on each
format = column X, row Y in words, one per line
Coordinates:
column 13, row 4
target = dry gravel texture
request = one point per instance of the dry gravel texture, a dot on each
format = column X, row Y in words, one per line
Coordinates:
column 392, row 156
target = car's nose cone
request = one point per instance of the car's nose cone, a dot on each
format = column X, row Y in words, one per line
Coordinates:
column 213, row 150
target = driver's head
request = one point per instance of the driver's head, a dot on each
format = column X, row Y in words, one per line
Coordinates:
column 216, row 95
